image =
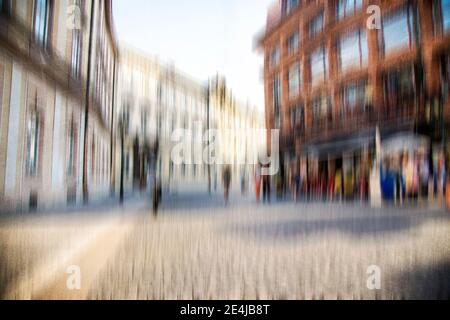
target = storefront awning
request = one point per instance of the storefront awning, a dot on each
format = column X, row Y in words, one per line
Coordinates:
column 404, row 142
column 337, row 146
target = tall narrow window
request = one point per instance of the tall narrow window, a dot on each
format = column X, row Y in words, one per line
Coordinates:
column 32, row 143
column 354, row 96
column 316, row 25
column 275, row 56
column 353, row 50
column 294, row 80
column 399, row 88
column 398, row 30
column 298, row 118
column 41, row 22
column 76, row 54
column 346, row 8
column 321, row 108
column 277, row 100
column 293, row 42
column 445, row 8
column 291, row 5
column 5, row 7
column 71, row 150
column 319, row 65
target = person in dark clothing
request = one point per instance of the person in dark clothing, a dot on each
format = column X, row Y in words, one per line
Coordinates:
column 266, row 188
column 226, row 182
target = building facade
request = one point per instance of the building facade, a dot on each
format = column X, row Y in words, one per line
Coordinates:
column 157, row 100
column 239, row 133
column 57, row 61
column 354, row 83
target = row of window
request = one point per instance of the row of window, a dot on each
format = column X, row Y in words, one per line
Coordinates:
column 34, row 136
column 353, row 50
column 398, row 30
column 344, row 8
column 316, row 25
column 399, row 90
column 42, row 18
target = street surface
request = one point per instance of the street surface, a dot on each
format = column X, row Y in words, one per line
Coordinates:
column 196, row 248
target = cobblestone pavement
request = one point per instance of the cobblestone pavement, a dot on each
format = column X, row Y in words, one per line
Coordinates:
column 281, row 251
column 37, row 248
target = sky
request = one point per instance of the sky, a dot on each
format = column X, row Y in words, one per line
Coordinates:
column 200, row 37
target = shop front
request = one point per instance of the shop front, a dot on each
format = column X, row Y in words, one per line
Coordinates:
column 339, row 168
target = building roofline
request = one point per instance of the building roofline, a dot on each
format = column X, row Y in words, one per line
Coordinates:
column 110, row 27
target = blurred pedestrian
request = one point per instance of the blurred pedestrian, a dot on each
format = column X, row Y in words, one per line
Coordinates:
column 226, row 183
column 266, row 188
column 296, row 184
column 338, row 184
column 424, row 176
column 243, row 184
column 257, row 178
column 279, row 186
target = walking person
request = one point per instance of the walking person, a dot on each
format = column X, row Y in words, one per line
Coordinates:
column 296, row 184
column 226, row 183
column 257, row 178
column 266, row 188
column 244, row 184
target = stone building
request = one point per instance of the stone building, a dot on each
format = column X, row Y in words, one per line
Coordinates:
column 239, row 132
column 158, row 99
column 351, row 82
column 57, row 61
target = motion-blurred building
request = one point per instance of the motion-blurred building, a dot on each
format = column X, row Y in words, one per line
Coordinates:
column 331, row 81
column 57, row 61
column 157, row 99
column 237, row 126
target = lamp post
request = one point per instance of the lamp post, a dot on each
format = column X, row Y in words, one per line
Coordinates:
column 123, row 128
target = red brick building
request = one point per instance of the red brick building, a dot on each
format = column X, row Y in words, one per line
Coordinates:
column 331, row 81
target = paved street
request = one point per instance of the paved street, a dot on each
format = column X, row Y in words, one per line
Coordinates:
column 198, row 249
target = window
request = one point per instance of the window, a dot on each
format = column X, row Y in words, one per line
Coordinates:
column 294, row 80
column 319, row 65
column 399, row 88
column 41, row 22
column 293, row 43
column 76, row 54
column 71, row 151
column 445, row 8
column 276, row 91
column 316, row 25
column 446, row 77
column 275, row 56
column 353, row 50
column 398, row 30
column 32, row 144
column 441, row 15
column 354, row 96
column 346, row 8
column 298, row 117
column 321, row 108
column 291, row 5
column 5, row 7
